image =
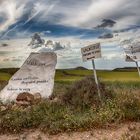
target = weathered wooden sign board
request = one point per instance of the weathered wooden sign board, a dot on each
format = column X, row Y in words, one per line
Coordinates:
column 91, row 52
column 133, row 52
column 35, row 76
column 133, row 55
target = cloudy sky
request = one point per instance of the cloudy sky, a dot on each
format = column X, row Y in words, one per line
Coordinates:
column 74, row 23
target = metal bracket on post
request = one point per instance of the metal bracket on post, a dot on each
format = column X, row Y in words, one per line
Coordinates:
column 96, row 81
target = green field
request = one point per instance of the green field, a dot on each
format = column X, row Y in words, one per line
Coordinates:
column 4, row 76
column 73, row 75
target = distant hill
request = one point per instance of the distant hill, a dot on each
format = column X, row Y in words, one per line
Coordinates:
column 76, row 68
column 80, row 68
column 126, row 69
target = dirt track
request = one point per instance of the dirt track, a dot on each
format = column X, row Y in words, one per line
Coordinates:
column 112, row 133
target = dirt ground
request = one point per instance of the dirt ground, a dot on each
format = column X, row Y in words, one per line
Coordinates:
column 123, row 131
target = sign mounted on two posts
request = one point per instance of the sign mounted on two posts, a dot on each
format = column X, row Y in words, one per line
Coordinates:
column 92, row 52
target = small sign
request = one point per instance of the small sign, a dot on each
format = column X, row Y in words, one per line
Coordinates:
column 133, row 53
column 132, row 49
column 129, row 58
column 91, row 52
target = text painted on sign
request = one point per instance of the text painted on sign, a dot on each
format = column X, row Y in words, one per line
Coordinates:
column 91, row 52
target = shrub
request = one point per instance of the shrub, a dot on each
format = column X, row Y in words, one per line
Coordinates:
column 84, row 93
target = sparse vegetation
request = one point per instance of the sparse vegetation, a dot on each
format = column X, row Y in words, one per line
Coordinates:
column 75, row 105
column 76, row 108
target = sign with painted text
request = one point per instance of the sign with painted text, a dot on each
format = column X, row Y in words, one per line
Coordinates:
column 133, row 55
column 91, row 52
column 133, row 52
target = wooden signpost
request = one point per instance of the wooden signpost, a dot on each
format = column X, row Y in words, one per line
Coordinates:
column 133, row 55
column 132, row 59
column 92, row 52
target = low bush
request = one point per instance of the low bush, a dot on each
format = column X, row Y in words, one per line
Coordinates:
column 85, row 93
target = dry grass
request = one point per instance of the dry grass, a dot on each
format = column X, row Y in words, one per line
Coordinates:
column 79, row 110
